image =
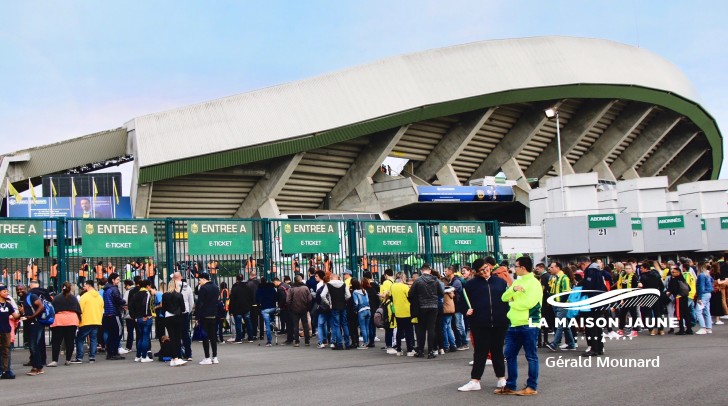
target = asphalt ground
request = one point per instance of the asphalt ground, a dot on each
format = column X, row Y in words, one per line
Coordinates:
column 692, row 370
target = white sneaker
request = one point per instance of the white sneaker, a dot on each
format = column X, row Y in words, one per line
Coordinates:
column 177, row 362
column 145, row 359
column 442, row 351
column 710, row 331
column 724, row 317
column 206, row 361
column 565, row 346
column 471, row 362
column 718, row 322
column 701, row 331
column 411, row 354
column 391, row 351
column 123, row 351
column 230, row 340
column 215, row 360
column 489, row 362
column 137, row 359
column 472, row 385
column 501, row 383
column 377, row 339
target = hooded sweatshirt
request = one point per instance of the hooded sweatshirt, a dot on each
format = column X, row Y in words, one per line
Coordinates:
column 331, row 294
column 92, row 308
column 425, row 291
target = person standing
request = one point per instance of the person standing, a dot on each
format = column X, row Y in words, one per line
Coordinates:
column 402, row 315
column 299, row 301
column 266, row 298
column 68, row 314
column 385, row 295
column 561, row 284
column 7, row 312
column 255, row 316
column 129, row 323
column 241, row 302
column 372, row 289
column 189, row 296
column 678, row 290
column 205, row 314
column 32, row 308
column 650, row 278
column 704, row 287
column 82, row 274
column 360, row 302
column 143, row 308
column 113, row 304
column 335, row 294
column 488, row 322
column 524, row 299
column 594, row 282
column 173, row 305
column 460, row 308
column 53, row 274
column 323, row 310
column 425, row 293
column 92, row 311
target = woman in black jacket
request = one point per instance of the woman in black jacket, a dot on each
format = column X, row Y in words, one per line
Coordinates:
column 488, row 322
column 682, row 313
column 173, row 305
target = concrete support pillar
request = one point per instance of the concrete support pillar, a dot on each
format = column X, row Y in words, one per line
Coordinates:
column 142, row 200
column 573, row 131
column 622, row 127
column 658, row 128
column 604, row 172
column 452, row 144
column 513, row 143
column 447, row 176
column 513, row 172
column 269, row 209
column 674, row 143
column 269, row 185
column 684, row 160
column 630, row 173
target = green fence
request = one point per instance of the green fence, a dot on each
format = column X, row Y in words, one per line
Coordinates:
column 271, row 247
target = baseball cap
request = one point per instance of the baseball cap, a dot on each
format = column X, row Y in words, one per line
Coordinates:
column 347, row 272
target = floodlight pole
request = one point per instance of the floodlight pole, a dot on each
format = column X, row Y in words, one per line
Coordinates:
column 561, row 165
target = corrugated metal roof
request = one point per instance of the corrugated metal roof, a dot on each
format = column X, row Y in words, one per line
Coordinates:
column 395, row 85
column 72, row 153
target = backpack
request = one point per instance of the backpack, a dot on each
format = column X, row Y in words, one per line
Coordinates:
column 684, row 288
column 49, row 312
column 323, row 307
column 381, row 316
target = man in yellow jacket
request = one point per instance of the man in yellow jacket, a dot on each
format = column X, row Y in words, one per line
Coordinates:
column 92, row 312
column 524, row 298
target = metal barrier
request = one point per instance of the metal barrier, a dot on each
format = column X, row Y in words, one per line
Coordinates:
column 228, row 247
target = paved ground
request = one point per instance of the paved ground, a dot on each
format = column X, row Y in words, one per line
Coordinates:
column 692, row 370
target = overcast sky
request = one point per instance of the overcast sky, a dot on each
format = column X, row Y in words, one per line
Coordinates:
column 70, row 68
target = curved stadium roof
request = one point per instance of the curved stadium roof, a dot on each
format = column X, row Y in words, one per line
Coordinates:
column 457, row 113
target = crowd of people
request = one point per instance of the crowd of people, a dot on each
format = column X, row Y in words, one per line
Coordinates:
column 495, row 308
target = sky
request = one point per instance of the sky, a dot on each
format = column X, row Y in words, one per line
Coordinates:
column 71, row 68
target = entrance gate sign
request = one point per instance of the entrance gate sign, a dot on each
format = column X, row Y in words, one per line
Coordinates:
column 391, row 237
column 118, row 238
column 21, row 239
column 220, row 237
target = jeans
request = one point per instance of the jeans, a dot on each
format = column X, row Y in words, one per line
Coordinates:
column 37, row 344
column 560, row 329
column 144, row 343
column 704, row 318
column 83, row 332
column 338, row 323
column 112, row 327
column 186, row 339
column 130, row 327
column 517, row 337
column 239, row 327
column 365, row 317
column 323, row 326
column 268, row 314
column 460, row 338
column 448, row 337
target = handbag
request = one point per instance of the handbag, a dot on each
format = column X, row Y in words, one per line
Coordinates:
column 198, row 333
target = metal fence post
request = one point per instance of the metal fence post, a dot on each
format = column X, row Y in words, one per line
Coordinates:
column 496, row 240
column 428, row 243
column 267, row 249
column 353, row 251
column 170, row 245
column 61, row 249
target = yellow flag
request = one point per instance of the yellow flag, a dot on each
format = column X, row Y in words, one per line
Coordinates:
column 116, row 194
column 53, row 192
column 32, row 191
column 96, row 191
column 14, row 192
column 73, row 191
